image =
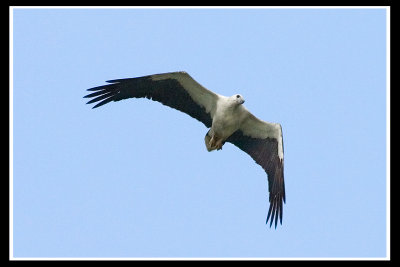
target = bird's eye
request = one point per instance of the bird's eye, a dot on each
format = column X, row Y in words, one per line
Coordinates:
column 237, row 96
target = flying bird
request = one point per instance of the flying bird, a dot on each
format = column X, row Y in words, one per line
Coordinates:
column 227, row 118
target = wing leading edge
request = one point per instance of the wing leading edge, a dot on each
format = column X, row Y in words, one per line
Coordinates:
column 177, row 90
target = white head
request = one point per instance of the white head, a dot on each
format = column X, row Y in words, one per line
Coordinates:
column 237, row 99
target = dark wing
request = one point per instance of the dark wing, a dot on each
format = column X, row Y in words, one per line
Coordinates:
column 264, row 143
column 175, row 89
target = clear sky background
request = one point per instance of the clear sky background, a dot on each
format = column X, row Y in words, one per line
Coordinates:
column 134, row 179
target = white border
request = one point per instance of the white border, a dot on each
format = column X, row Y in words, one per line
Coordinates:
column 10, row 134
column 388, row 133
column 11, row 243
column 200, row 7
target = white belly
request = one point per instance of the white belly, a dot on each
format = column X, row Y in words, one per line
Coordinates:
column 225, row 123
column 227, row 119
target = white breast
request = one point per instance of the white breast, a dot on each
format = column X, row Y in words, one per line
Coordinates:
column 226, row 119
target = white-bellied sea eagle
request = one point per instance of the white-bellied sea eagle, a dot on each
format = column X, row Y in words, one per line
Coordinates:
column 227, row 118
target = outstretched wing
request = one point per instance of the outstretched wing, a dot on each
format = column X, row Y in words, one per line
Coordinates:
column 175, row 89
column 263, row 141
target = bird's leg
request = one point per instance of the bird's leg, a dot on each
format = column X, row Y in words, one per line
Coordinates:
column 216, row 143
column 219, row 144
column 212, row 142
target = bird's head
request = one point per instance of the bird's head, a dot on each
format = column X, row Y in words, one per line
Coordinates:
column 237, row 99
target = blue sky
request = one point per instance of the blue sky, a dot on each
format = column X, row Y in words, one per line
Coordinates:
column 133, row 178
